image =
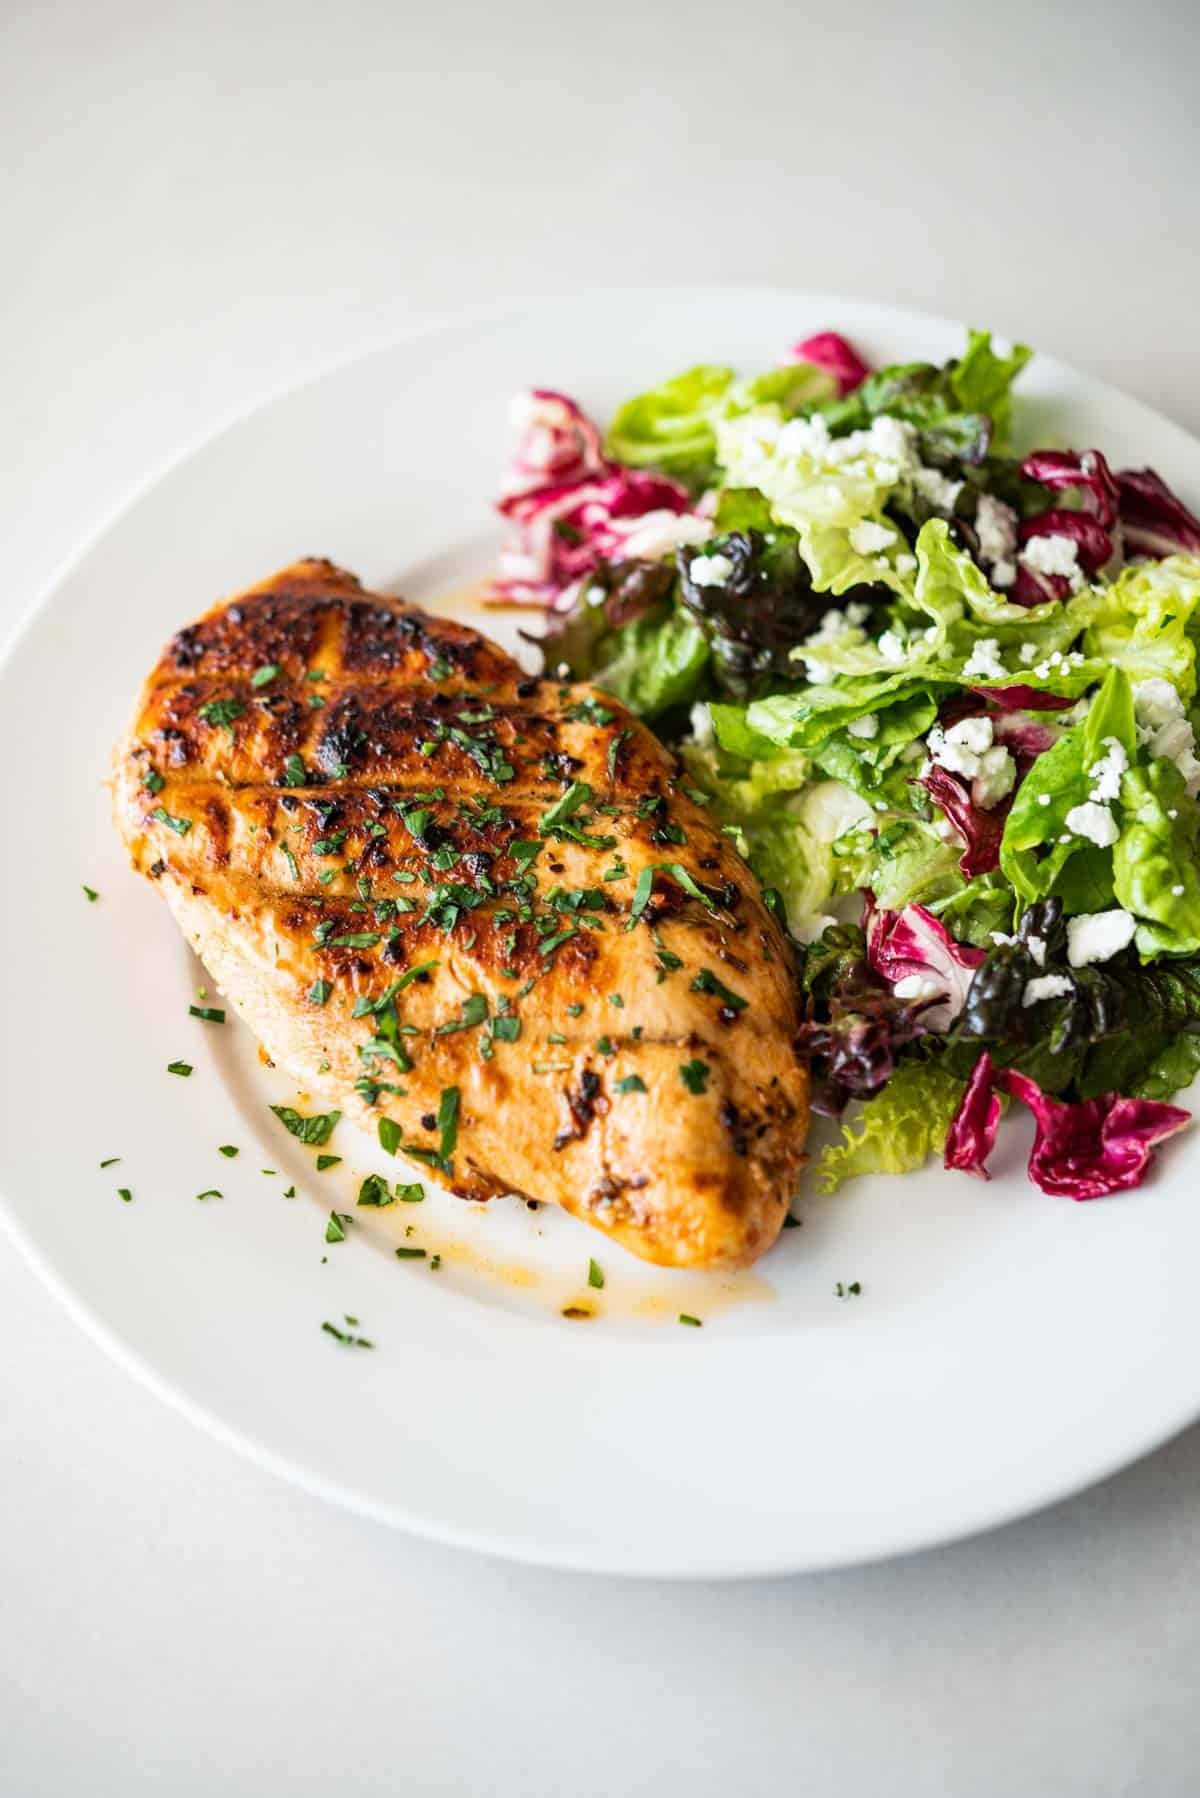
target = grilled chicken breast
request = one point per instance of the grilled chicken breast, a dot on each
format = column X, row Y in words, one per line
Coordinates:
column 477, row 904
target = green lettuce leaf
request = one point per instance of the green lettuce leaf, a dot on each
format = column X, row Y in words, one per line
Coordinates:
column 1155, row 860
column 1171, row 1071
column 951, row 405
column 653, row 664
column 670, row 427
column 896, row 1132
column 904, row 863
column 1144, row 621
column 1061, row 779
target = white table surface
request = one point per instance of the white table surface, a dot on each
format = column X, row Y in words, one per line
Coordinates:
column 202, row 203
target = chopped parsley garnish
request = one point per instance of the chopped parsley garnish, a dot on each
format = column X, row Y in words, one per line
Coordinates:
column 390, row 1134
column 183, row 1068
column 686, row 1318
column 631, row 1083
column 294, row 772
column 411, row 1254
column 707, row 982
column 335, row 1229
column 154, row 782
column 410, row 1192
column 92, row 895
column 315, row 1131
column 694, row 1075
column 319, row 991
column 375, row 1191
column 616, row 999
column 222, row 712
column 576, row 795
column 227, row 1149
column 575, row 1010
column 681, row 877
column 447, row 1125
column 344, row 1335
column 180, row 826
column 124, row 1194
column 605, row 1046
column 211, row 1014
column 614, row 752
column 355, row 939
column 474, row 1013
column 853, row 1290
column 266, row 673
column 290, row 859
column 595, row 1275
column 553, row 943
column 212, row 1193
column 589, row 711
column 523, row 852
column 505, row 1029
column 111, row 1162
column 324, row 1161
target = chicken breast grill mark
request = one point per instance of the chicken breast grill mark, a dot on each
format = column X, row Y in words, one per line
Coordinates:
column 477, row 903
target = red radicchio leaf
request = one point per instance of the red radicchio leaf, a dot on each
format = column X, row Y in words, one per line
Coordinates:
column 838, row 358
column 972, row 1133
column 1090, row 529
column 1154, row 522
column 912, row 942
column 1023, row 699
column 980, row 831
column 1081, row 1151
column 571, row 506
column 1089, row 473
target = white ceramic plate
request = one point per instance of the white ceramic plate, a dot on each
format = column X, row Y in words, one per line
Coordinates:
column 1007, row 1349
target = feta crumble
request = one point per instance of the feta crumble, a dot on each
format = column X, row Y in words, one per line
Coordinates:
column 1093, row 821
column 996, row 778
column 937, row 488
column 709, row 571
column 996, row 529
column 1098, row 935
column 984, row 662
column 1047, row 986
column 1106, row 773
column 864, row 727
column 891, row 647
column 1053, row 554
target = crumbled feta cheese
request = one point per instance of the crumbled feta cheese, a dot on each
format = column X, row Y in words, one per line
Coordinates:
column 1177, row 892
column 709, row 571
column 1176, row 740
column 1028, row 653
column 972, row 733
column 1043, row 798
column 937, row 488
column 1095, row 822
column 996, row 529
column 1173, row 813
column 984, row 662
column 865, row 727
column 1053, row 554
column 869, row 538
column 996, row 778
column 905, row 563
column 891, row 647
column 856, row 613
column 1002, row 939
column 1003, row 573
column 918, row 986
column 1106, row 773
column 1155, row 703
column 881, row 805
column 1095, row 936
column 1047, row 986
column 1036, row 946
column 959, row 749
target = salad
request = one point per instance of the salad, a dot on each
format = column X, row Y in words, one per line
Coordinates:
column 942, row 695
